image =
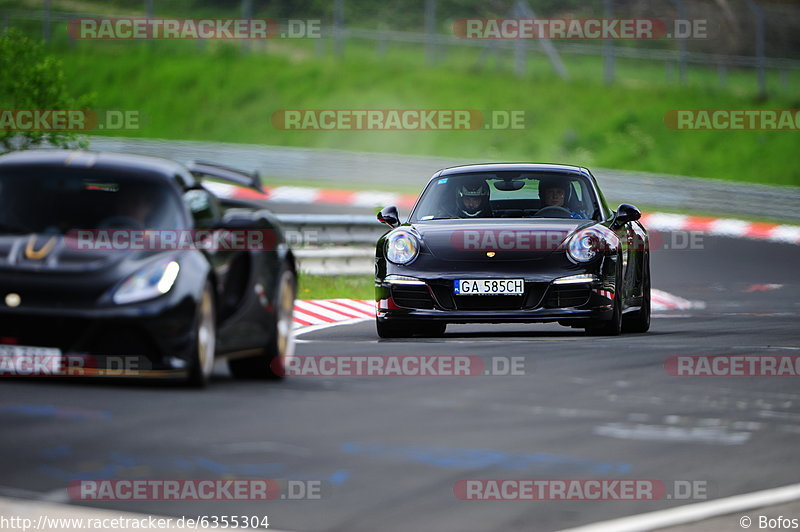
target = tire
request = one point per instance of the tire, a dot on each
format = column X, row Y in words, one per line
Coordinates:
column 639, row 321
column 270, row 363
column 612, row 327
column 405, row 329
column 392, row 329
column 434, row 329
column 201, row 364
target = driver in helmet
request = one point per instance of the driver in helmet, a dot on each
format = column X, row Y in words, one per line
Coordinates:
column 554, row 193
column 472, row 200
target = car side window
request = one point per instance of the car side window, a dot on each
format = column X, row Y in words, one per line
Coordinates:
column 203, row 206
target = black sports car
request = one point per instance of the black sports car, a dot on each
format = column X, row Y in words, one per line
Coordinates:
column 500, row 243
column 109, row 258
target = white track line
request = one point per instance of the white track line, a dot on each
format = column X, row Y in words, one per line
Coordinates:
column 692, row 513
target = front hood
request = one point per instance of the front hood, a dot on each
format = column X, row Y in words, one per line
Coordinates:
column 55, row 254
column 506, row 239
column 50, row 271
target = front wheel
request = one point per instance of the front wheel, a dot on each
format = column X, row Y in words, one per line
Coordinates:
column 271, row 362
column 204, row 343
column 612, row 327
column 392, row 329
column 639, row 321
column 434, row 329
column 406, row 329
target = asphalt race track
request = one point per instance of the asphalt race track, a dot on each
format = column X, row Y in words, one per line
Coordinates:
column 389, row 450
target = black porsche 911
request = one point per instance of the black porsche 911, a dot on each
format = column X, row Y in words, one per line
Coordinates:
column 115, row 257
column 498, row 243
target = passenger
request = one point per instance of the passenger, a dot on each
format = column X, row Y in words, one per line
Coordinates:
column 556, row 193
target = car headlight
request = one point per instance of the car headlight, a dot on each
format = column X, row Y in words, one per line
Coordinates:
column 151, row 281
column 401, row 247
column 586, row 244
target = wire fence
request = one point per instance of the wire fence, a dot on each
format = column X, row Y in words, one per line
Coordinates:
column 744, row 37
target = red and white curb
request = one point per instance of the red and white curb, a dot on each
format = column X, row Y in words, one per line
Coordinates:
column 661, row 301
column 309, row 312
column 323, row 312
column 309, row 195
column 660, row 221
column 657, row 221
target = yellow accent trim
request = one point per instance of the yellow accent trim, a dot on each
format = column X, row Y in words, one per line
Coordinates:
column 33, row 254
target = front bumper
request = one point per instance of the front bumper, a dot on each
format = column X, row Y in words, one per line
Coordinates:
column 151, row 339
column 543, row 301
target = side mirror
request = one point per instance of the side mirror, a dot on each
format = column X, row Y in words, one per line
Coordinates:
column 203, row 206
column 627, row 213
column 389, row 216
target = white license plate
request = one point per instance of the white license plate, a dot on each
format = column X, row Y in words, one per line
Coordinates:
column 489, row 287
column 23, row 361
column 28, row 351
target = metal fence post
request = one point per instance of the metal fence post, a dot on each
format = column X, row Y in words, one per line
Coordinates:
column 682, row 15
column 46, row 30
column 520, row 45
column 247, row 13
column 430, row 31
column 760, row 48
column 608, row 46
column 148, row 11
column 380, row 50
column 338, row 27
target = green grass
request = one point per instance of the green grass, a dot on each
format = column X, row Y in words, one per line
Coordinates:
column 331, row 287
column 214, row 92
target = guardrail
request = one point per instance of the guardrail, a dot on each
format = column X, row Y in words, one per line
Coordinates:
column 331, row 229
column 322, row 259
column 653, row 191
column 336, row 261
column 333, row 244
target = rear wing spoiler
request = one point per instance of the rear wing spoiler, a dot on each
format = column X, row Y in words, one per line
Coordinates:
column 199, row 169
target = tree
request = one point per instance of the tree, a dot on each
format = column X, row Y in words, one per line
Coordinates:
column 32, row 79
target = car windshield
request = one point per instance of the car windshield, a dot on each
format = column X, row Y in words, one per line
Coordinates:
column 508, row 195
column 52, row 201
